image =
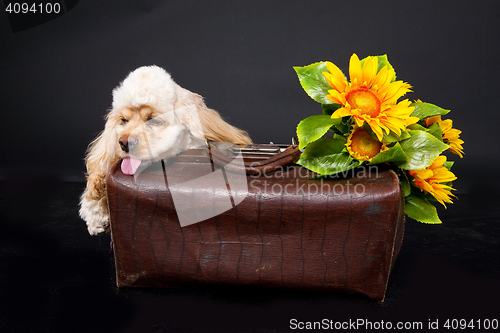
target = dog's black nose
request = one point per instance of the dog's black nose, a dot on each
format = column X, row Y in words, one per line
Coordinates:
column 128, row 142
column 124, row 144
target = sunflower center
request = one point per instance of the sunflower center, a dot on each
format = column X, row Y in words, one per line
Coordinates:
column 364, row 100
column 364, row 145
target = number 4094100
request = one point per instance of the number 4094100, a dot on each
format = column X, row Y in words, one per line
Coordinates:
column 481, row 324
column 25, row 8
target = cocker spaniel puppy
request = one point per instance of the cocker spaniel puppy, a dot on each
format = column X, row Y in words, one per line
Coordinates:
column 152, row 118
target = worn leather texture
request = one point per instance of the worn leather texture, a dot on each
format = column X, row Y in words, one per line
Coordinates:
column 340, row 234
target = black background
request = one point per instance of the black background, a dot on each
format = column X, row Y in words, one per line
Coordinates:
column 57, row 77
column 56, row 80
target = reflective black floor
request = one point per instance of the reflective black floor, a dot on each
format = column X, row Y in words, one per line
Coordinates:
column 54, row 277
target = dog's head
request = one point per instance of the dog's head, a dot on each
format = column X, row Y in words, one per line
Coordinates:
column 147, row 118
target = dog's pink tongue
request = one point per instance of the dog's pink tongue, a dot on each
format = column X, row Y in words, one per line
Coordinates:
column 130, row 165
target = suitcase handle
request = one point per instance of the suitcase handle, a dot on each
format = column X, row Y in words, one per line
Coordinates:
column 278, row 160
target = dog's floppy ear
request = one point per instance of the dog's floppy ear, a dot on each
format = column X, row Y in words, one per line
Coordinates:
column 100, row 156
column 204, row 122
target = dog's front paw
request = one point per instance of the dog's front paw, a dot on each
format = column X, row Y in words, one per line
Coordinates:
column 97, row 227
column 95, row 214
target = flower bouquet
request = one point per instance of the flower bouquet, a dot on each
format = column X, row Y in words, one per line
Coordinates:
column 364, row 123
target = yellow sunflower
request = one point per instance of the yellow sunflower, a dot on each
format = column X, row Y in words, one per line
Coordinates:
column 371, row 96
column 452, row 135
column 362, row 146
column 432, row 179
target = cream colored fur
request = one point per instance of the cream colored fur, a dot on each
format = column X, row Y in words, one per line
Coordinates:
column 165, row 118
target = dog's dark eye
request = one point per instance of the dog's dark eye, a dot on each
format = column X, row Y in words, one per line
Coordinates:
column 154, row 121
column 124, row 121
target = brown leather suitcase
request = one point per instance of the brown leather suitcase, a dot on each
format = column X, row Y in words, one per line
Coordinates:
column 287, row 229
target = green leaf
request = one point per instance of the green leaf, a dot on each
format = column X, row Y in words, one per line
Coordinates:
column 421, row 150
column 394, row 154
column 314, row 127
column 344, row 126
column 393, row 137
column 340, row 137
column 426, row 110
column 329, row 109
column 326, row 156
column 434, row 129
column 324, row 146
column 329, row 164
column 382, row 62
column 405, row 183
column 387, row 138
column 314, row 83
column 421, row 209
column 448, row 165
